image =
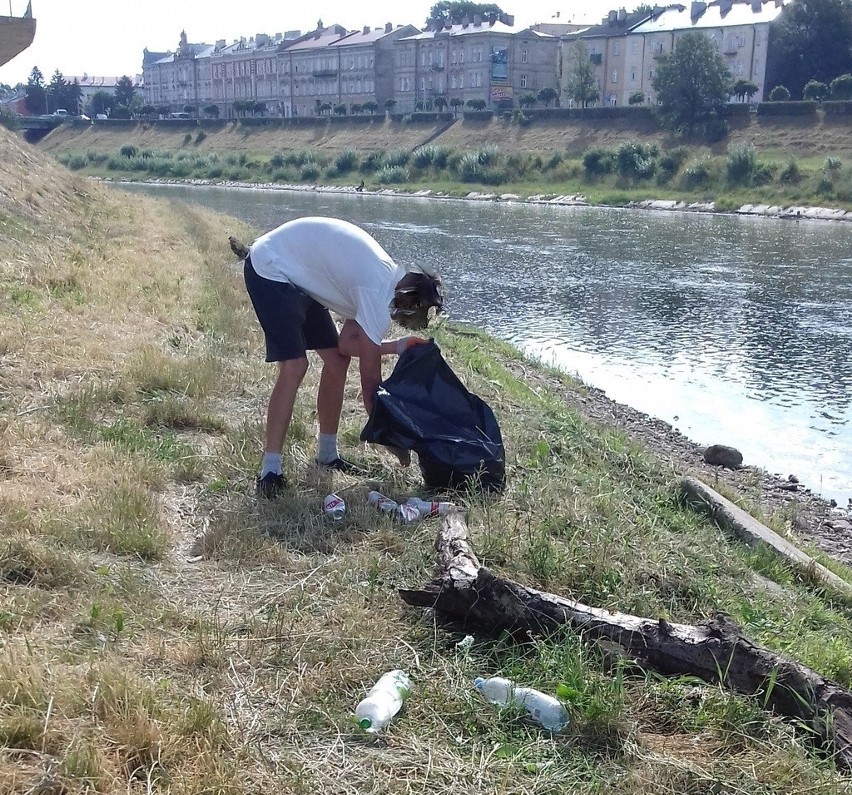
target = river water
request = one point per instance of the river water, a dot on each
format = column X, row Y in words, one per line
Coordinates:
column 735, row 330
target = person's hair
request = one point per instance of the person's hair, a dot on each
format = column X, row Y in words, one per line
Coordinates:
column 426, row 287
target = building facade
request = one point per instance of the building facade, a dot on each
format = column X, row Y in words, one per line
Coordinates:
column 477, row 60
column 175, row 80
column 624, row 48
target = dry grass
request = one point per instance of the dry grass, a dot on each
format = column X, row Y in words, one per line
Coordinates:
column 132, row 391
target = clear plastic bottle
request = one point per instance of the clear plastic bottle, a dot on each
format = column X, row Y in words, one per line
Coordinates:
column 384, row 504
column 427, row 508
column 544, row 709
column 383, row 701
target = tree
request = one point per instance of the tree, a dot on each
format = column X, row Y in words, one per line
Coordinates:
column 779, row 94
column 163, row 110
column 476, row 104
column 55, row 92
column 418, row 106
column 841, row 87
column 636, row 98
column 810, row 41
column 120, row 112
column 692, row 83
column 456, row 103
column 390, row 104
column 211, row 110
column 440, row 103
column 527, row 100
column 101, row 103
column 744, row 89
column 370, row 107
column 581, row 84
column 147, row 111
column 547, row 95
column 815, row 91
column 125, row 91
column 258, row 107
column 190, row 109
column 35, row 96
column 355, row 108
column 340, row 110
column 454, row 12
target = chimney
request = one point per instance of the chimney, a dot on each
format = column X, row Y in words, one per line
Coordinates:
column 622, row 14
column 477, row 20
column 220, row 45
column 261, row 39
column 388, row 27
column 366, row 30
column 698, row 8
column 756, row 6
column 611, row 17
column 465, row 21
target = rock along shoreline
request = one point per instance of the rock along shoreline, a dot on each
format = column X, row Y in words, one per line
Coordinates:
column 795, row 212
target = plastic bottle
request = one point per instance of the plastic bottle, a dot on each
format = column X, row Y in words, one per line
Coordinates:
column 383, row 701
column 334, row 506
column 384, row 504
column 427, row 508
column 544, row 709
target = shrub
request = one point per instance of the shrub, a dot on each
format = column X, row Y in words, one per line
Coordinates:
column 696, row 174
column 815, row 90
column 469, row 168
column 181, row 169
column 764, row 173
column 488, row 155
column 825, row 186
column 669, row 164
column 200, row 137
column 597, row 162
column 277, row 160
column 310, row 171
column 791, row 174
column 742, row 163
column 636, row 160
column 493, row 176
column 117, row 163
column 832, row 164
column 346, row 161
column 390, row 175
column 398, row 157
column 187, row 138
column 372, row 162
column 441, row 156
column 424, row 157
column 554, row 160
column 716, row 129
column 779, row 94
column 128, row 150
column 9, row 120
column 215, row 172
column 77, row 161
column 779, row 108
column 96, row 158
column 841, row 87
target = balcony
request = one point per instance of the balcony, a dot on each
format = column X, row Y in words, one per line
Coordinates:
column 325, row 73
column 436, row 67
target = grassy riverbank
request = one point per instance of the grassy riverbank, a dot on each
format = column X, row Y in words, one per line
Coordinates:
column 759, row 163
column 133, row 389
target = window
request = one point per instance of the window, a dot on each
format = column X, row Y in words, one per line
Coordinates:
column 757, row 39
column 479, row 54
column 635, row 47
column 452, row 81
column 453, row 57
column 616, row 48
column 461, row 80
column 524, row 55
column 613, row 77
column 461, row 56
column 741, row 40
column 523, row 81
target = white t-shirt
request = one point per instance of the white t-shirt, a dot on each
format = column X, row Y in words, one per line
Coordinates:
column 336, row 263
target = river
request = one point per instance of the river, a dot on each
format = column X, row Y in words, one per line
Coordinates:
column 735, row 330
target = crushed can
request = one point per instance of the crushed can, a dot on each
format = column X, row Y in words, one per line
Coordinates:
column 334, row 506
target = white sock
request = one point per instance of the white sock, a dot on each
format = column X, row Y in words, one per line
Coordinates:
column 271, row 463
column 327, row 448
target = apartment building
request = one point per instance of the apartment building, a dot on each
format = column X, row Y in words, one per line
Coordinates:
column 625, row 46
column 476, row 59
column 739, row 28
column 175, row 79
column 333, row 66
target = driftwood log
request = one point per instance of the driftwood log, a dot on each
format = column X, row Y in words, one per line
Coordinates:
column 754, row 533
column 714, row 650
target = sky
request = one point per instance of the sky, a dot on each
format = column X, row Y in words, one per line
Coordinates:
column 106, row 37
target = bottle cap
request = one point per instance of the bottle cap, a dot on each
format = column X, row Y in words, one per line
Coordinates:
column 478, row 682
column 365, row 723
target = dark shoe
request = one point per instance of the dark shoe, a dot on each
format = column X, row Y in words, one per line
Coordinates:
column 270, row 486
column 342, row 465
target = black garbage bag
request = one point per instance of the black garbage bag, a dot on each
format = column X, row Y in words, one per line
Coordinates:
column 424, row 407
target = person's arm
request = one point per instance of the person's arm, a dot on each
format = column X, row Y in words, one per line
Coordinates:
column 354, row 342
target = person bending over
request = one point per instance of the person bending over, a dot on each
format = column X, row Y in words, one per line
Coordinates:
column 294, row 275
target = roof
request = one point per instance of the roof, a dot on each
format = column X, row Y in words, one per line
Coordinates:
column 466, row 30
column 319, row 38
column 618, row 27
column 195, row 51
column 370, row 36
column 96, row 81
column 741, row 12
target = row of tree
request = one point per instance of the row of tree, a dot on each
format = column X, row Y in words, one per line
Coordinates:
column 59, row 93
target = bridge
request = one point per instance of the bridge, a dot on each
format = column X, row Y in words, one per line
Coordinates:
column 41, row 123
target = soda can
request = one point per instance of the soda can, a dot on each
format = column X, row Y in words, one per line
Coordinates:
column 408, row 513
column 334, row 506
column 384, row 504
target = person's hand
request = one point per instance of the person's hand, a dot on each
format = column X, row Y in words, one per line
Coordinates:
column 403, row 455
column 404, row 343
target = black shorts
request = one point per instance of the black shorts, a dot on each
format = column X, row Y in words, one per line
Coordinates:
column 292, row 321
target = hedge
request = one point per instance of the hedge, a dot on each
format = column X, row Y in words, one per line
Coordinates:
column 478, row 115
column 261, row 122
column 837, row 107
column 116, row 122
column 740, row 109
column 806, row 108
